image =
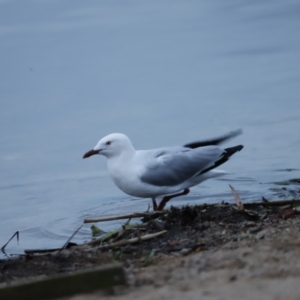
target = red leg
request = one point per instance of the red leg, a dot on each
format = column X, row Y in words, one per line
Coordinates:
column 166, row 199
column 154, row 204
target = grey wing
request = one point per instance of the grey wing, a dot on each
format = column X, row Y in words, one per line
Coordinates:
column 173, row 166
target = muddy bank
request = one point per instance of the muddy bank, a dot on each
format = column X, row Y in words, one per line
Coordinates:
column 218, row 242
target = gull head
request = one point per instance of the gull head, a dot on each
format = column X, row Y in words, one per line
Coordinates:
column 112, row 145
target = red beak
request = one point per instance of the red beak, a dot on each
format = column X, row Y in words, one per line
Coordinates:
column 90, row 153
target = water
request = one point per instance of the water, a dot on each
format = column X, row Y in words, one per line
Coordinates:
column 165, row 73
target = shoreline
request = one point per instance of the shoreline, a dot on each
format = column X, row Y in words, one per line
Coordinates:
column 208, row 250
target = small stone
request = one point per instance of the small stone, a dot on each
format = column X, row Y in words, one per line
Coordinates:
column 250, row 224
column 232, row 278
column 255, row 229
column 185, row 251
column 260, row 235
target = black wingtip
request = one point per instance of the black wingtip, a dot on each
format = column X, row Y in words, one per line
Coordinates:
column 225, row 156
column 215, row 141
column 230, row 151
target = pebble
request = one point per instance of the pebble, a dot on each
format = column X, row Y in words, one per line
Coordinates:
column 185, row 251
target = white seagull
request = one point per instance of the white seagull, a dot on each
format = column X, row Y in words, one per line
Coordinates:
column 168, row 172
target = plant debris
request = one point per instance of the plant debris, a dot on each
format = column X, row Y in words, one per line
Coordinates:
column 178, row 231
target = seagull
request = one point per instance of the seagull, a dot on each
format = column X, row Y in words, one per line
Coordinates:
column 169, row 172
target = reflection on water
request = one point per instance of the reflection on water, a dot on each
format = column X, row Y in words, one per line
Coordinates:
column 72, row 72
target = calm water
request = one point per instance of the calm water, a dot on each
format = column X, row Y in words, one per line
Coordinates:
column 163, row 72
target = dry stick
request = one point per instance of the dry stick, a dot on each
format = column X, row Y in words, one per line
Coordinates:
column 67, row 242
column 127, row 242
column 33, row 251
column 237, row 198
column 40, row 251
column 139, row 215
column 264, row 203
column 274, row 203
column 110, row 218
column 3, row 247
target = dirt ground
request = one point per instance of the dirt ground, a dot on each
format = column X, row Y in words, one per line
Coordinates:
column 208, row 252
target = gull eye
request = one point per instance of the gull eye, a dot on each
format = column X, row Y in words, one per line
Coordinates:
column 108, row 143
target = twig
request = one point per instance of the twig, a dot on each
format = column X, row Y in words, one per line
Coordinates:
column 130, row 241
column 67, row 242
column 145, row 214
column 237, row 199
column 126, row 223
column 110, row 218
column 274, row 203
column 40, row 251
column 15, row 234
